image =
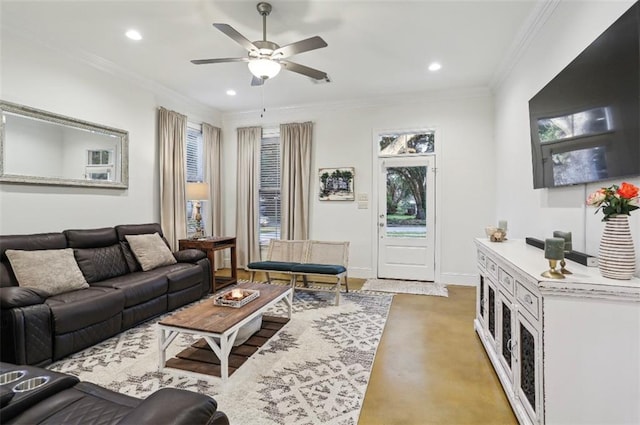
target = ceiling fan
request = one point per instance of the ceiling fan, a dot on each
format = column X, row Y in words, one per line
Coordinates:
column 266, row 58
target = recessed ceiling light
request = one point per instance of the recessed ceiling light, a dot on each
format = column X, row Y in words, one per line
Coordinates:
column 434, row 66
column 231, row 92
column 133, row 35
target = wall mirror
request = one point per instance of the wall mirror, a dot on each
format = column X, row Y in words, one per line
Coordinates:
column 40, row 147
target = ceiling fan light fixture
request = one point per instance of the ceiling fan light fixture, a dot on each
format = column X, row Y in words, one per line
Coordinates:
column 264, row 68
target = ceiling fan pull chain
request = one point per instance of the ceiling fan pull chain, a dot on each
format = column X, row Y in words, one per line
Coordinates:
column 263, row 108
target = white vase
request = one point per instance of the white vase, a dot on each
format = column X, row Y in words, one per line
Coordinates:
column 617, row 258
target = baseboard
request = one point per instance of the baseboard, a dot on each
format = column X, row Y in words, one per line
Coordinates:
column 463, row 279
column 360, row 272
column 578, row 257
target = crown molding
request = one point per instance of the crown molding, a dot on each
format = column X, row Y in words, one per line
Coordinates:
column 111, row 68
column 427, row 96
column 528, row 31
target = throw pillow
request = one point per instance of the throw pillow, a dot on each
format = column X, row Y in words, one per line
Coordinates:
column 133, row 264
column 98, row 264
column 150, row 251
column 52, row 271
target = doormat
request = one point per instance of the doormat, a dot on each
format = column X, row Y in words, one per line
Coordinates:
column 406, row 287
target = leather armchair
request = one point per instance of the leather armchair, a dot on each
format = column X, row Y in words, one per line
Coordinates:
column 64, row 399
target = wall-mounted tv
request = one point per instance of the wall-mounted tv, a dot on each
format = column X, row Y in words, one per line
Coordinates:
column 585, row 124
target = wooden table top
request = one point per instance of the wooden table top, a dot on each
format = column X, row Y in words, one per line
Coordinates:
column 208, row 317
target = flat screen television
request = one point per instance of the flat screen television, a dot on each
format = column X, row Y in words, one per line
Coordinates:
column 585, row 124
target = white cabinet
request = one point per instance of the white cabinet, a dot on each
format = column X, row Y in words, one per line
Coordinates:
column 566, row 351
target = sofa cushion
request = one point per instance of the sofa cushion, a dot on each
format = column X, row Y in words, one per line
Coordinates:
column 52, row 271
column 185, row 277
column 75, row 310
column 137, row 229
column 101, row 263
column 91, row 238
column 138, row 287
column 15, row 296
column 189, row 255
column 150, row 250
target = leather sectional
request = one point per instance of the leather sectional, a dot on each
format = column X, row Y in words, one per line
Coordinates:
column 38, row 329
column 63, row 399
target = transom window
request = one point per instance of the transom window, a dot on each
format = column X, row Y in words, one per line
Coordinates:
column 406, row 143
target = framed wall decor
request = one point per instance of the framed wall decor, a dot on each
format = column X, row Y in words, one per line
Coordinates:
column 336, row 184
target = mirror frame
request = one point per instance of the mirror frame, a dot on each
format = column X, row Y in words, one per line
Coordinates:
column 28, row 112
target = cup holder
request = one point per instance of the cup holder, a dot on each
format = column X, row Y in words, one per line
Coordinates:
column 31, row 384
column 9, row 377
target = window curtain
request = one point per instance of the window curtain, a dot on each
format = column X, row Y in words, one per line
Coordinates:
column 172, row 136
column 247, row 198
column 211, row 152
column 295, row 140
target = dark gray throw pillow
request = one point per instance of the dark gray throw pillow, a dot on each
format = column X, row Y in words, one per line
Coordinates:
column 133, row 264
column 98, row 264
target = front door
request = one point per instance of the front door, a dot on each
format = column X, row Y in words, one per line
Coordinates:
column 406, row 235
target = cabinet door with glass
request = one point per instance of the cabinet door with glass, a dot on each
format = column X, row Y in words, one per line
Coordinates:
column 491, row 300
column 528, row 382
column 481, row 303
column 505, row 340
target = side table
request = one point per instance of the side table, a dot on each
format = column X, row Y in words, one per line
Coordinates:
column 210, row 245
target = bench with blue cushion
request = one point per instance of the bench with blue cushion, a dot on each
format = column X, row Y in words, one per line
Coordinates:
column 305, row 258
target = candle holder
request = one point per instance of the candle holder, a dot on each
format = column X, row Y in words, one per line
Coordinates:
column 552, row 273
column 563, row 270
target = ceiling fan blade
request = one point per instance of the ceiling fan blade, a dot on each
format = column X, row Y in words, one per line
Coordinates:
column 255, row 81
column 221, row 60
column 299, row 47
column 237, row 37
column 304, row 70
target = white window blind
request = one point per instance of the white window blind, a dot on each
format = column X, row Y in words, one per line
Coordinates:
column 194, row 170
column 194, row 154
column 269, row 187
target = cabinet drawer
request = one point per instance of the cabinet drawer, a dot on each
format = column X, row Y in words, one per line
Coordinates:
column 506, row 280
column 492, row 268
column 482, row 259
column 527, row 299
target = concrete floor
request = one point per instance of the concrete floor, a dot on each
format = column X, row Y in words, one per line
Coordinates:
column 430, row 367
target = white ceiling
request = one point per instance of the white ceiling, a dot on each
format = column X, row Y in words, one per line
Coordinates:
column 375, row 48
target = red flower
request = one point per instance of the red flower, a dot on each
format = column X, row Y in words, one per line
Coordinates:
column 627, row 190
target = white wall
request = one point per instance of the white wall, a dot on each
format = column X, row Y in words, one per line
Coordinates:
column 343, row 137
column 571, row 28
column 44, row 78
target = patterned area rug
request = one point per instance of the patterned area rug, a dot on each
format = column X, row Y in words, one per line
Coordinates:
column 406, row 287
column 314, row 371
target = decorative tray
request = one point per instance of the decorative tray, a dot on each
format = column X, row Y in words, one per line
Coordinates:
column 236, row 298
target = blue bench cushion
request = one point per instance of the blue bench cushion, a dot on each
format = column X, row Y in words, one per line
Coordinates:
column 318, row 268
column 283, row 266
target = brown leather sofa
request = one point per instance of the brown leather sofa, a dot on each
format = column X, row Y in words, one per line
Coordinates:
column 36, row 329
column 63, row 399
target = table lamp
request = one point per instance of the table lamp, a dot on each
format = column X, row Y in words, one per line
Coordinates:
column 197, row 192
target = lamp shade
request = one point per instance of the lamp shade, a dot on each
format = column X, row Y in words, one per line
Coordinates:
column 197, row 191
column 264, row 68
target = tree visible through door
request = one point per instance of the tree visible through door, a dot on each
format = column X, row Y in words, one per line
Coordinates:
column 406, row 208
